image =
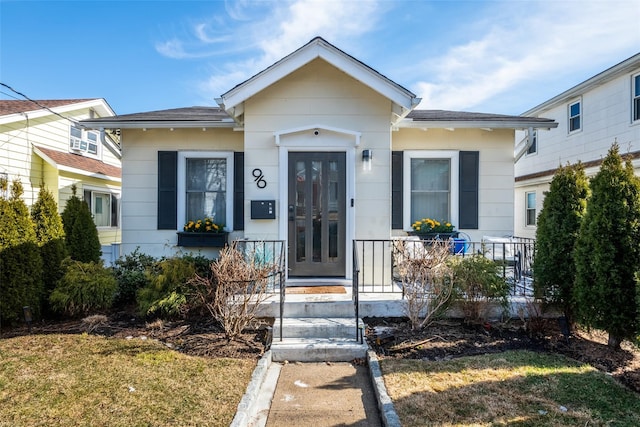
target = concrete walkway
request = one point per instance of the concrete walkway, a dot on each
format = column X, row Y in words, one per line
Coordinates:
column 323, row 394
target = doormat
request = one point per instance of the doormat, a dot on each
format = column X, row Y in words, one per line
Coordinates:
column 316, row 290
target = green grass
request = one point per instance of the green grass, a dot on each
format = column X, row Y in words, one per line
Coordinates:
column 516, row 388
column 76, row 380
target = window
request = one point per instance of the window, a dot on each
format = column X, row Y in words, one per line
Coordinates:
column 103, row 206
column 83, row 141
column 432, row 180
column 574, row 117
column 636, row 98
column 530, row 210
column 533, row 148
column 205, row 187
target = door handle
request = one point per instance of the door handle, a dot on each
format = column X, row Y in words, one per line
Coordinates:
column 292, row 210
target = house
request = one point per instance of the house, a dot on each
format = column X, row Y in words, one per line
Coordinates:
column 591, row 116
column 43, row 143
column 316, row 150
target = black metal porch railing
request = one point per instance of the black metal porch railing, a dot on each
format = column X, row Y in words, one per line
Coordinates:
column 375, row 261
column 355, row 296
column 269, row 253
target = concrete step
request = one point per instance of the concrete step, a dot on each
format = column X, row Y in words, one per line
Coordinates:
column 327, row 309
column 316, row 327
column 317, row 350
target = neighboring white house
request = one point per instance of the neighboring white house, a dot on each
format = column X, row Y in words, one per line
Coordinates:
column 42, row 142
column 591, row 117
column 316, row 150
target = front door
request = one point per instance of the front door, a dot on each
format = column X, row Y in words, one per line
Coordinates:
column 317, row 215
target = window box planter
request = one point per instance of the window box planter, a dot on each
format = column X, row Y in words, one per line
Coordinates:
column 435, row 236
column 209, row 240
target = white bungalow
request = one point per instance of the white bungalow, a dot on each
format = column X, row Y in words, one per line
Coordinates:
column 317, row 150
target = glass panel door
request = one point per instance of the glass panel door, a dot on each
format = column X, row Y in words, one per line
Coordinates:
column 317, row 214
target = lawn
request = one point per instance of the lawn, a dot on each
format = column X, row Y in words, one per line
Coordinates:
column 71, row 380
column 520, row 388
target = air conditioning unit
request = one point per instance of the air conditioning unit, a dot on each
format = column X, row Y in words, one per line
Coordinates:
column 75, row 143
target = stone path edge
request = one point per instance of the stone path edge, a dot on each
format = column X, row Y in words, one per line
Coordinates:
column 387, row 411
column 247, row 406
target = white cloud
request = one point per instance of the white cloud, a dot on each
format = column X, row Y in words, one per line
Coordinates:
column 284, row 27
column 541, row 42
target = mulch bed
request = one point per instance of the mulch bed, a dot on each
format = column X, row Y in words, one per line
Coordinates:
column 388, row 337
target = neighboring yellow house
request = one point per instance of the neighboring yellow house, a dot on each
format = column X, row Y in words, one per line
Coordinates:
column 316, row 150
column 42, row 142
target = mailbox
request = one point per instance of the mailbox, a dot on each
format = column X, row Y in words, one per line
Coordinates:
column 263, row 209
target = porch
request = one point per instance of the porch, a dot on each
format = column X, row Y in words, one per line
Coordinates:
column 319, row 324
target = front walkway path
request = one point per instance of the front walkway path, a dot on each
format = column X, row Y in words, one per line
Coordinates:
column 324, row 394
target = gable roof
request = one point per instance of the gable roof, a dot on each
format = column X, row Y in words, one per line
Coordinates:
column 403, row 100
column 78, row 164
column 15, row 110
column 8, row 106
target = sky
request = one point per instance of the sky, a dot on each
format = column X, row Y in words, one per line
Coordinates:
column 502, row 56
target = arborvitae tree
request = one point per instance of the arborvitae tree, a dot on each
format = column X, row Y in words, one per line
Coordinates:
column 20, row 262
column 81, row 234
column 558, row 227
column 50, row 237
column 607, row 253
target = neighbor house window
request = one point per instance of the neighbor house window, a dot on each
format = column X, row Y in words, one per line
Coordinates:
column 432, row 180
column 575, row 114
column 103, row 206
column 530, row 210
column 533, row 148
column 636, row 98
column 83, row 141
column 205, row 187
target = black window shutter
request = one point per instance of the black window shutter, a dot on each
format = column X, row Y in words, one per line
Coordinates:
column 87, row 198
column 167, row 190
column 468, row 203
column 238, row 191
column 396, row 189
column 114, row 210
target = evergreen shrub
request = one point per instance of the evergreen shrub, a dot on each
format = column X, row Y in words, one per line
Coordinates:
column 85, row 287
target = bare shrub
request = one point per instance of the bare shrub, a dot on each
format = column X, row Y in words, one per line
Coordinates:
column 426, row 278
column 234, row 290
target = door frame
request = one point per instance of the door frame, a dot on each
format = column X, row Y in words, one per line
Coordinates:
column 319, row 138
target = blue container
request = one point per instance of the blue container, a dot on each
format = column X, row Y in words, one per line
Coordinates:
column 460, row 246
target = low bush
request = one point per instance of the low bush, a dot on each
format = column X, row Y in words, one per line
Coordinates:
column 130, row 273
column 84, row 288
column 478, row 283
column 165, row 294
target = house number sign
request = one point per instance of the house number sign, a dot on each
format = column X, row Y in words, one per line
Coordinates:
column 258, row 178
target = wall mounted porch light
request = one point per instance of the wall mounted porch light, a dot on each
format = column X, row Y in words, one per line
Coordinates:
column 367, row 156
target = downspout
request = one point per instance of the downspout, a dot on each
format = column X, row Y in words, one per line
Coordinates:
column 105, row 143
column 523, row 145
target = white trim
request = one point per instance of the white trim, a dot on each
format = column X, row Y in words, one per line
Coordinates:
column 348, row 146
column 580, row 115
column 454, row 182
column 526, row 209
column 635, row 87
column 181, row 188
column 318, row 128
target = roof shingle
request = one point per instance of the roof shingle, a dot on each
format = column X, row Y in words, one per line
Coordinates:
column 77, row 161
